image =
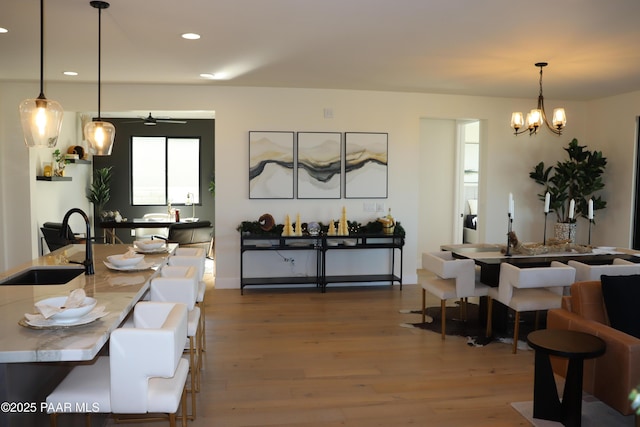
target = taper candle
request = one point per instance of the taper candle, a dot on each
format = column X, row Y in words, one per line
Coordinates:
column 547, row 202
column 590, row 214
column 572, row 208
column 511, row 206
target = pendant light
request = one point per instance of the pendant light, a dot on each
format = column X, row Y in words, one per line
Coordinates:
column 41, row 117
column 100, row 134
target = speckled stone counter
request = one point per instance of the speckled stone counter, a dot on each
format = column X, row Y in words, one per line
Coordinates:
column 118, row 291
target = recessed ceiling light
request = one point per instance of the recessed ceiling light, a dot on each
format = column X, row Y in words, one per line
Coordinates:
column 213, row 76
column 191, row 36
column 70, row 73
column 3, row 30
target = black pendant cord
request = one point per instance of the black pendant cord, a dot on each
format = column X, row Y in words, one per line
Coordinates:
column 41, row 96
column 99, row 5
column 99, row 57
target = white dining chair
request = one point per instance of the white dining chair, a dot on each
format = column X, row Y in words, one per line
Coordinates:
column 619, row 267
column 529, row 289
column 194, row 257
column 144, row 374
column 449, row 278
column 180, row 284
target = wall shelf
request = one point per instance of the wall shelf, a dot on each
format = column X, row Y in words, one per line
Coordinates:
column 53, row 178
column 79, row 161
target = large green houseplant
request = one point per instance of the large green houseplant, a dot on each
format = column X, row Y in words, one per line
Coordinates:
column 577, row 178
column 100, row 189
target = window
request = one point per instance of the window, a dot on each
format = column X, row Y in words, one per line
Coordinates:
column 165, row 170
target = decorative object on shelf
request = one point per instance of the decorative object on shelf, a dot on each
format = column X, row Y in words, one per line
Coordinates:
column 388, row 223
column 298, row 230
column 366, row 166
column 313, row 228
column 288, row 228
column 319, row 165
column 271, row 165
column 510, row 216
column 354, row 227
column 59, row 163
column 41, row 118
column 343, row 226
column 99, row 133
column 100, row 190
column 537, row 116
column 266, row 222
column 77, row 150
column 332, row 229
column 574, row 181
column 47, row 171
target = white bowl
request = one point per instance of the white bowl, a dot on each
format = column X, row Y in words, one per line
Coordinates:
column 69, row 314
column 125, row 260
column 148, row 245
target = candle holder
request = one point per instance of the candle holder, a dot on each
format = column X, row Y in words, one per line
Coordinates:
column 544, row 234
column 590, row 222
column 509, row 227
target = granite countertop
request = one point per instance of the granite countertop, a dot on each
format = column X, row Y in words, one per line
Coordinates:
column 117, row 291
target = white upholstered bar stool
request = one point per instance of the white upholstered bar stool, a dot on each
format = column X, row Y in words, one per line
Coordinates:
column 144, row 375
column 450, row 278
column 195, row 257
column 619, row 267
column 179, row 284
column 529, row 289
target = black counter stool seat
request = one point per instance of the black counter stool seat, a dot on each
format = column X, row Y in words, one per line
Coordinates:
column 574, row 346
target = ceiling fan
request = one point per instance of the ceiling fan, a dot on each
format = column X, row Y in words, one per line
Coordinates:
column 152, row 121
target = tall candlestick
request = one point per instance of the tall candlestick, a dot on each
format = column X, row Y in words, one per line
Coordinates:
column 547, row 202
column 572, row 208
column 590, row 215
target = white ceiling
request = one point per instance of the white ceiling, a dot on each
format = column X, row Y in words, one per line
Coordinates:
column 470, row 47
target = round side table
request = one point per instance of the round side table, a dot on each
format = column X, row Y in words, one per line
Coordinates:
column 572, row 345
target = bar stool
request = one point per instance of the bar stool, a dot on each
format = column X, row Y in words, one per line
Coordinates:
column 145, row 372
column 194, row 257
column 179, row 284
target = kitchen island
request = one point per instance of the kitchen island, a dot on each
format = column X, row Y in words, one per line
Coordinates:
column 33, row 361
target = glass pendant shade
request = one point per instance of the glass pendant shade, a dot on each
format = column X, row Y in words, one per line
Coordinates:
column 517, row 120
column 559, row 118
column 41, row 120
column 100, row 136
column 535, row 118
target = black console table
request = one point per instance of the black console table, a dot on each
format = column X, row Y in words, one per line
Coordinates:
column 321, row 245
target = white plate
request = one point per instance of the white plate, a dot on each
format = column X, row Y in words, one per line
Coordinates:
column 37, row 321
column 150, row 251
column 144, row 265
column 148, row 245
column 69, row 314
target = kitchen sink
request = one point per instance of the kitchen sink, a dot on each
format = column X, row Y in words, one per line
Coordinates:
column 43, row 276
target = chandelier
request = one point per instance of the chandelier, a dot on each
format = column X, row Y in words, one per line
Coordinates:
column 537, row 116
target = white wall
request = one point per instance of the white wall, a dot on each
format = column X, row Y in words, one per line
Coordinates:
column 505, row 160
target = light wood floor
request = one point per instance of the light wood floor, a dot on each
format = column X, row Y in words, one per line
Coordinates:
column 296, row 357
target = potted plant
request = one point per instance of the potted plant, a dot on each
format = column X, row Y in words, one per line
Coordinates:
column 577, row 178
column 60, row 161
column 100, row 190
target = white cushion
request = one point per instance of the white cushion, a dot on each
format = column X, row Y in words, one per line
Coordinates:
column 86, row 385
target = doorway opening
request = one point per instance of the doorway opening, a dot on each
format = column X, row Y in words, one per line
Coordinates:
column 469, row 171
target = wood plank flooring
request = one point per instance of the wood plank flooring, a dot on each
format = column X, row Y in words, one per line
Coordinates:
column 296, row 357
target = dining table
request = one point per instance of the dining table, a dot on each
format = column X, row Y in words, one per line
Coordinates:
column 490, row 256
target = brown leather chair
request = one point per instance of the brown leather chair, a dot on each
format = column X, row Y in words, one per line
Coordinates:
column 612, row 376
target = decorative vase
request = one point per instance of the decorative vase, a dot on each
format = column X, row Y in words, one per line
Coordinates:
column 565, row 231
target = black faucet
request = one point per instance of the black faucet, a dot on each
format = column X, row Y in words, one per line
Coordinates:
column 88, row 261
